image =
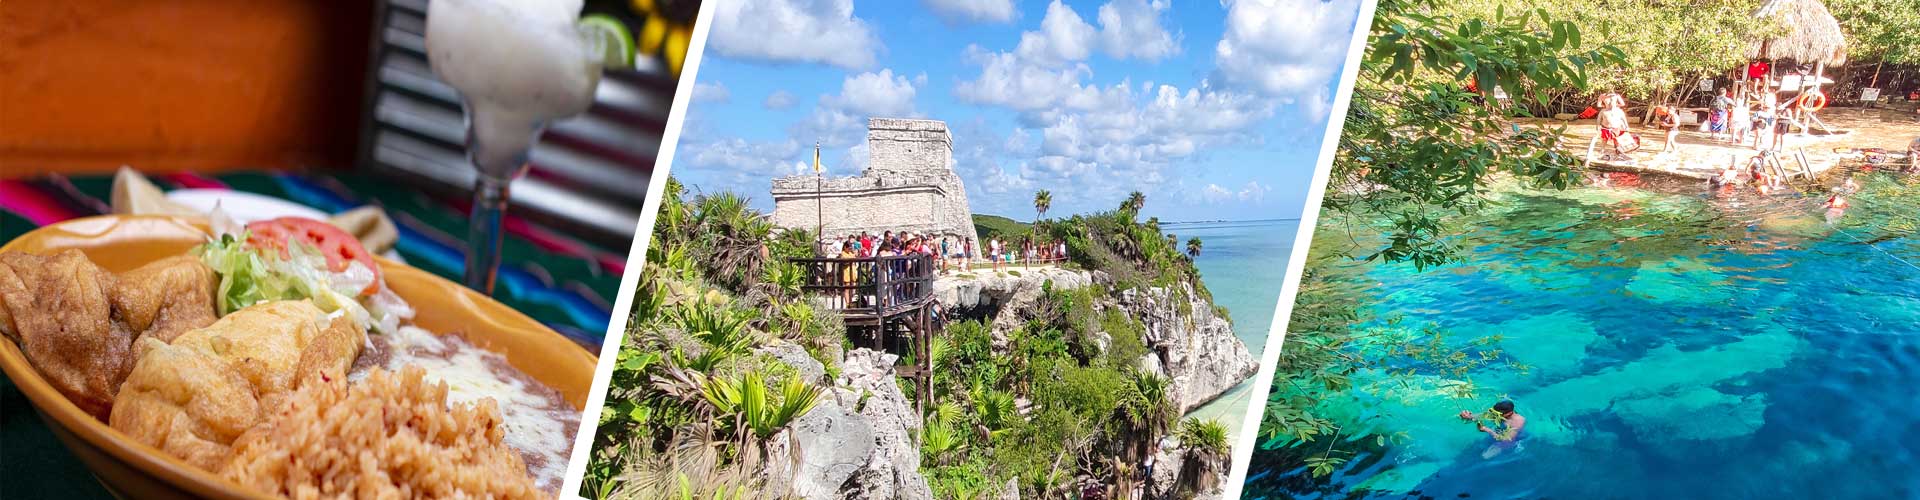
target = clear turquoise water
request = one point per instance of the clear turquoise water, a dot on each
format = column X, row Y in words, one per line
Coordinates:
column 1243, row 263
column 1682, row 346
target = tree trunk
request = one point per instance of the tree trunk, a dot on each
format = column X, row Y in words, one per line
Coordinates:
column 1659, row 98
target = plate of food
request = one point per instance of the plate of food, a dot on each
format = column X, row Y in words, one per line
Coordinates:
column 200, row 357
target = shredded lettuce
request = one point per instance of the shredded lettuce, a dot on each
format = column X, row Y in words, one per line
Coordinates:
column 249, row 276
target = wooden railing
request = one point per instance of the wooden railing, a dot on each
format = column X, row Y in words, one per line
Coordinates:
column 874, row 286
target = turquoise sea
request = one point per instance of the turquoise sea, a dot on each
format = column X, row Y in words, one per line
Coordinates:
column 1677, row 344
column 1243, row 263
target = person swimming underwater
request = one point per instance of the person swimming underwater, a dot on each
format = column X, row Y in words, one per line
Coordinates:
column 1506, row 434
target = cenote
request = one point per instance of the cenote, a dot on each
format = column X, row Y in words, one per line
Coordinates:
column 1681, row 345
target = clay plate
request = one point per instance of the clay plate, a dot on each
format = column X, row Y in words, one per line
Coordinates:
column 122, row 242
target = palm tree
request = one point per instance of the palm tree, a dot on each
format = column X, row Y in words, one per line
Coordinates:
column 1153, row 223
column 1042, row 201
column 1206, row 442
column 1193, row 247
column 1136, row 201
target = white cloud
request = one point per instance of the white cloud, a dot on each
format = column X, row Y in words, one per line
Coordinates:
column 746, row 159
column 710, row 92
column 1128, row 28
column 957, row 11
column 841, row 119
column 1009, row 81
column 813, row 31
column 779, row 99
column 1119, row 133
column 1063, row 37
column 1131, row 28
column 1103, row 137
column 856, row 158
column 1286, row 47
column 1213, row 193
column 1254, row 192
column 875, row 94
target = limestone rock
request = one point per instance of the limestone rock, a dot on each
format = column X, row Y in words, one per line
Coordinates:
column 857, row 442
column 793, row 355
column 1170, row 469
column 892, row 471
column 986, row 288
column 1011, row 490
column 834, row 444
column 1196, row 347
column 1165, row 475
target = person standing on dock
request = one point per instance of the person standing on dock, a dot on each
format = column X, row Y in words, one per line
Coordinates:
column 1717, row 120
column 1669, row 122
column 1613, row 125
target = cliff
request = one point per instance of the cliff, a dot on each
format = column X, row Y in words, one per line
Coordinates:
column 858, row 442
column 1192, row 345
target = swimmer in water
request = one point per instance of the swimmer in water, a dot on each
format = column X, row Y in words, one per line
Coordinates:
column 1508, row 432
column 1836, row 203
column 1726, row 178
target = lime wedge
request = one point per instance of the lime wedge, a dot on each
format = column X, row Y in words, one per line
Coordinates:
column 610, row 38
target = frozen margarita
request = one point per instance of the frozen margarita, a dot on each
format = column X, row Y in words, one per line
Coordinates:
column 517, row 64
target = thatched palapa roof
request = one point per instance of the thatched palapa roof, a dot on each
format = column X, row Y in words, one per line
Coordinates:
column 1813, row 34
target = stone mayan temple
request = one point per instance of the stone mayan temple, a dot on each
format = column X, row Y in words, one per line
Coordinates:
column 909, row 185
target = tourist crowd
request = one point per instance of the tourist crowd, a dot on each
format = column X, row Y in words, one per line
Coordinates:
column 947, row 253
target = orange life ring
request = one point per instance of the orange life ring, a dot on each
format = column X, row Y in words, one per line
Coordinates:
column 1812, row 101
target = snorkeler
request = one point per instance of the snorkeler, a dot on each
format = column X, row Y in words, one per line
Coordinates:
column 1506, row 434
column 1836, row 206
column 1836, row 202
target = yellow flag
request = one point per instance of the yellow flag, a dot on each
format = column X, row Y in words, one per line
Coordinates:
column 816, row 158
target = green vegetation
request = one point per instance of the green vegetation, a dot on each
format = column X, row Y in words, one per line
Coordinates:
column 1042, row 200
column 1879, row 31
column 1134, row 254
column 1658, row 49
column 992, row 226
column 1416, row 146
column 693, row 404
column 1092, row 413
column 697, row 404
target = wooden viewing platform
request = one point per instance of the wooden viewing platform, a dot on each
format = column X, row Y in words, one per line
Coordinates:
column 882, row 299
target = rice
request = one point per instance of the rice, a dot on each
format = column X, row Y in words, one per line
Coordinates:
column 386, row 436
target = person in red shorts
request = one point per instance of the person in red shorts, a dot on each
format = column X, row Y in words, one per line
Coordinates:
column 1613, row 127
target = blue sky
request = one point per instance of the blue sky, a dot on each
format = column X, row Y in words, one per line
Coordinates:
column 1213, row 109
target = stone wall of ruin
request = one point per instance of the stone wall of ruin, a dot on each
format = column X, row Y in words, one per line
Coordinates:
column 909, row 186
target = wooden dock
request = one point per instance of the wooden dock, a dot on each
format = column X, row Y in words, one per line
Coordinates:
column 887, row 305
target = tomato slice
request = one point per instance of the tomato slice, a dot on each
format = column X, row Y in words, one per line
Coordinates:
column 339, row 247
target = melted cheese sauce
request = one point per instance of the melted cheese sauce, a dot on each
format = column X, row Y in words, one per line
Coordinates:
column 539, row 422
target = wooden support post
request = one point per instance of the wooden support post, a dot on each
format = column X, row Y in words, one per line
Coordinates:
column 923, row 336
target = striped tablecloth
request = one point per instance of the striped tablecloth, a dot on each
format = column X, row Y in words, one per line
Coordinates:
column 565, row 283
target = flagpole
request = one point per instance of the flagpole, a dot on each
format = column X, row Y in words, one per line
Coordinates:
column 819, row 202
